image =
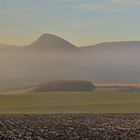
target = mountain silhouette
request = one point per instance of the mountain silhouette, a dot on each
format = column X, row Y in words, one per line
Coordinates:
column 52, row 43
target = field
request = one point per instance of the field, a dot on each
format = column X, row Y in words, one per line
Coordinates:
column 102, row 100
column 103, row 114
column 70, row 127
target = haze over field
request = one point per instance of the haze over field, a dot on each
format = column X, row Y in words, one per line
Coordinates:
column 53, row 58
column 65, row 57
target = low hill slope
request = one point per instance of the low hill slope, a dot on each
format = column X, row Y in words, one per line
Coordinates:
column 62, row 85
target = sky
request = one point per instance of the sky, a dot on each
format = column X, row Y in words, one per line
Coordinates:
column 82, row 22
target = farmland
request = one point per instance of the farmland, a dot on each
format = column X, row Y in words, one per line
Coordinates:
column 105, row 114
column 70, row 127
column 98, row 101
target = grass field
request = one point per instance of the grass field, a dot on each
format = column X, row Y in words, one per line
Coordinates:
column 98, row 101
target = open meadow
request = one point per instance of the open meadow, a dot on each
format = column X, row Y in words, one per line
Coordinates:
column 101, row 100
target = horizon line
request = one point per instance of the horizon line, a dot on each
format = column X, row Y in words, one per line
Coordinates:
column 79, row 46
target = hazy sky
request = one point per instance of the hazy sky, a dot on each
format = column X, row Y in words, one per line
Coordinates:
column 83, row 22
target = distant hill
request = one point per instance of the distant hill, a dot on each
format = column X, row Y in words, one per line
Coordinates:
column 51, row 42
column 63, row 85
column 114, row 44
column 46, row 42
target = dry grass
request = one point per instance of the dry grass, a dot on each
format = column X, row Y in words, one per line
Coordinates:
column 99, row 101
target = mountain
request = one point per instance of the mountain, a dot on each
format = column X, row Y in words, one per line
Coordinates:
column 51, row 43
column 46, row 42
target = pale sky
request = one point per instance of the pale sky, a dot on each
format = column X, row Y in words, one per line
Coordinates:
column 82, row 22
